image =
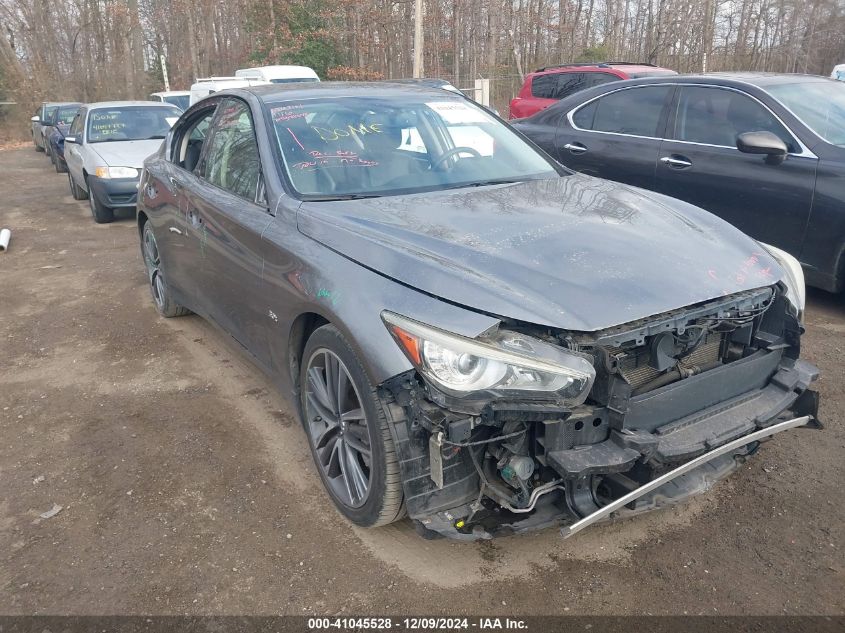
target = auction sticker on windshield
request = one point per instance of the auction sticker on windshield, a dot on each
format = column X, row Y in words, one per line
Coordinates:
column 456, row 112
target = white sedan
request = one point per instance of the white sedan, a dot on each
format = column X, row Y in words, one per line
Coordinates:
column 106, row 147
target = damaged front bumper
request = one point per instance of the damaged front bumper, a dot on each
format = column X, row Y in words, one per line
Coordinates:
column 635, row 454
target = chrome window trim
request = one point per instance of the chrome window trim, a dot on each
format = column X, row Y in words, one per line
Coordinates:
column 804, row 153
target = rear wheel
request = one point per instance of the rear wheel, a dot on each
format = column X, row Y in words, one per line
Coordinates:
column 60, row 166
column 348, row 432
column 164, row 303
column 102, row 214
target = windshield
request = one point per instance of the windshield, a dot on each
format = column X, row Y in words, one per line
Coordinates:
column 820, row 105
column 66, row 114
column 366, row 146
column 180, row 101
column 128, row 123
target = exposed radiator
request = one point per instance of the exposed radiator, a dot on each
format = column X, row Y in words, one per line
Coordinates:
column 634, row 366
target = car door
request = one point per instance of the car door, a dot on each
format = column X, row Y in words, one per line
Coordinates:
column 699, row 163
column 226, row 215
column 73, row 151
column 167, row 193
column 616, row 135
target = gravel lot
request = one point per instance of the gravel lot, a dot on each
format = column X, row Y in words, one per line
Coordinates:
column 186, row 485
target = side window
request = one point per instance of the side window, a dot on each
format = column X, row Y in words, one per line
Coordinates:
column 187, row 146
column 715, row 116
column 231, row 161
column 635, row 111
column 597, row 79
column 76, row 126
column 544, row 86
column 570, row 83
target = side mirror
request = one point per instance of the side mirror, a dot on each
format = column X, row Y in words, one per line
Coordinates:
column 36, row 119
column 71, row 139
column 765, row 143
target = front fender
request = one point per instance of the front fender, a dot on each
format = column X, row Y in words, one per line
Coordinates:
column 302, row 276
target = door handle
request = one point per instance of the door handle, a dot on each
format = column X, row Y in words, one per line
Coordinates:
column 575, row 148
column 173, row 181
column 678, row 162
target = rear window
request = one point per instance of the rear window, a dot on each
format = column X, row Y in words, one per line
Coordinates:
column 66, row 114
column 182, row 102
column 561, row 85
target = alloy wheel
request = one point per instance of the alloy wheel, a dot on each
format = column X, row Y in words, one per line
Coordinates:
column 152, row 261
column 337, row 428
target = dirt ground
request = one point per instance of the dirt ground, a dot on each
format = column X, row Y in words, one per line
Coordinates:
column 186, row 485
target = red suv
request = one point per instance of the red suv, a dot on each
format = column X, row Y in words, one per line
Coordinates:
column 547, row 85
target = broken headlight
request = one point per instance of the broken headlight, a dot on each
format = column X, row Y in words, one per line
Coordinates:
column 796, row 291
column 507, row 364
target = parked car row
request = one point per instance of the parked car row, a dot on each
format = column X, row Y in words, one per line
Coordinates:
column 473, row 335
column 102, row 146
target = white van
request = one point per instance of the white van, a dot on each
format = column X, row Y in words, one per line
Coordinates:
column 838, row 72
column 279, row 74
column 208, row 85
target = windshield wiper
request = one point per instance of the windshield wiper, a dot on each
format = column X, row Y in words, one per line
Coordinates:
column 483, row 183
column 150, row 138
column 343, row 196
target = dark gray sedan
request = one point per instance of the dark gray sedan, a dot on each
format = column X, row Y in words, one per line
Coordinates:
column 473, row 336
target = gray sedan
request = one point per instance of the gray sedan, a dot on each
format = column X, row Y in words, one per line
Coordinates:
column 106, row 147
column 472, row 335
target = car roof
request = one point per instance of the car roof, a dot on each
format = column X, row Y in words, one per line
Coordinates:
column 328, row 89
column 171, row 93
column 59, row 103
column 626, row 67
column 122, row 104
column 758, row 79
column 766, row 79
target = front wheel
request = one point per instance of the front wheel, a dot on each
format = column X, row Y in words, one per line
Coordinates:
column 348, row 432
column 102, row 214
column 164, row 303
column 76, row 191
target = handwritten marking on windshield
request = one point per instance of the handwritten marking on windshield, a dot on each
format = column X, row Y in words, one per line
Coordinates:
column 294, row 138
column 336, row 134
column 340, row 157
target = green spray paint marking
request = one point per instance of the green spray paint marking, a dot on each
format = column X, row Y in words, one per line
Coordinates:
column 333, row 297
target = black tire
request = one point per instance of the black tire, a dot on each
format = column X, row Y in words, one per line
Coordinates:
column 76, row 191
column 384, row 501
column 102, row 214
column 60, row 166
column 164, row 303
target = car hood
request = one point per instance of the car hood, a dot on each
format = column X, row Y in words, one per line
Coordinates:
column 62, row 129
column 126, row 153
column 577, row 252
